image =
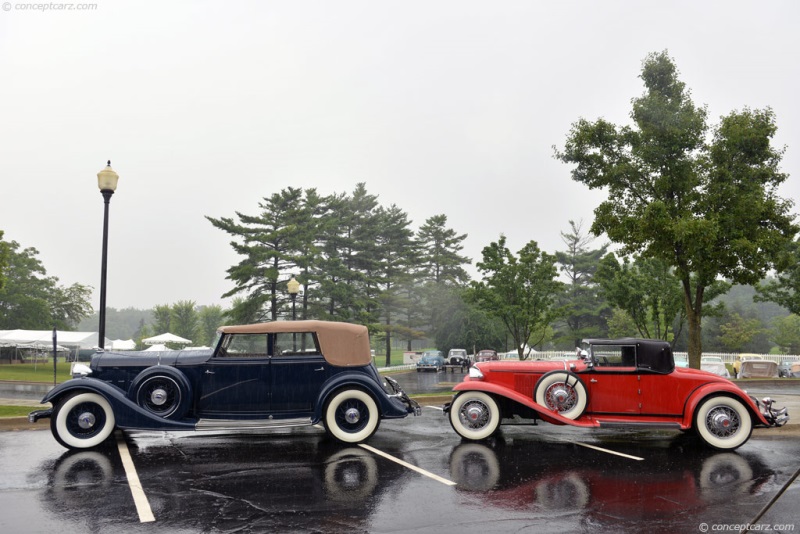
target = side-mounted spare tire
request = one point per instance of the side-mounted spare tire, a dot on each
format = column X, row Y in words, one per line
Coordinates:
column 563, row 392
column 163, row 391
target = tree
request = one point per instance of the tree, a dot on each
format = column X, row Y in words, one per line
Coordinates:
column 738, row 332
column 29, row 299
column 586, row 311
column 4, row 254
column 520, row 291
column 397, row 256
column 273, row 243
column 464, row 325
column 785, row 289
column 162, row 319
column 185, row 321
column 210, row 318
column 440, row 261
column 708, row 208
column 620, row 324
column 648, row 292
column 786, row 333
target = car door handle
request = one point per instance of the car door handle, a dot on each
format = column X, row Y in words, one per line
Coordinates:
column 320, row 369
column 593, row 381
column 209, row 372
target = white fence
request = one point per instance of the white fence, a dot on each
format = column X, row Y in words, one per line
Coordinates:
column 727, row 357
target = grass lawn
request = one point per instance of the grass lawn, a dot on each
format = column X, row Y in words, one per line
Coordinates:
column 16, row 411
column 29, row 372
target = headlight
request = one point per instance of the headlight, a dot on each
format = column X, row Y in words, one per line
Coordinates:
column 79, row 369
column 475, row 373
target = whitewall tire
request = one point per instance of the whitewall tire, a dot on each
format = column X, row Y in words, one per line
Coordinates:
column 723, row 422
column 474, row 415
column 351, row 416
column 82, row 421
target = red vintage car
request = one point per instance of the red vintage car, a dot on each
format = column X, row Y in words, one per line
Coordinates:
column 619, row 383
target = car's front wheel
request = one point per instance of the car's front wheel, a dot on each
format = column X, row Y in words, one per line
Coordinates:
column 351, row 416
column 474, row 415
column 82, row 421
column 723, row 422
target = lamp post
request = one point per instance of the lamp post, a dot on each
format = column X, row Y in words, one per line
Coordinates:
column 107, row 182
column 293, row 287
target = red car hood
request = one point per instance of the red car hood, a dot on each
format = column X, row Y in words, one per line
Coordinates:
column 527, row 366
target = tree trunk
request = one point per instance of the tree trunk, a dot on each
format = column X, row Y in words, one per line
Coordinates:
column 694, row 316
column 388, row 349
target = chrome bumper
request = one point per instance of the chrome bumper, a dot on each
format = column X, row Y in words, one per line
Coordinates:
column 39, row 414
column 411, row 404
column 775, row 417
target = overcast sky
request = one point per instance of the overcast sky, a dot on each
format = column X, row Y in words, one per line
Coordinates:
column 440, row 107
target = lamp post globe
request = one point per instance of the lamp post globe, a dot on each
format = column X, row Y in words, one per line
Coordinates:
column 293, row 286
column 107, row 180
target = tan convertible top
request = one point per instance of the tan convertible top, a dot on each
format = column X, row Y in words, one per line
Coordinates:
column 342, row 344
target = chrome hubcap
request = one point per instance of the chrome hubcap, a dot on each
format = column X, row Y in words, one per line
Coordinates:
column 86, row 420
column 722, row 421
column 352, row 416
column 560, row 397
column 474, row 413
column 158, row 397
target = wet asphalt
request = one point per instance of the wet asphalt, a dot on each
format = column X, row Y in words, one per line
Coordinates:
column 529, row 479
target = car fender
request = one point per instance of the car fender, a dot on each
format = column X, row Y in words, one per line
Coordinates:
column 389, row 407
column 127, row 413
column 717, row 388
column 501, row 391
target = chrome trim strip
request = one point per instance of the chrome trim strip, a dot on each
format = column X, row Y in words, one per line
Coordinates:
column 250, row 424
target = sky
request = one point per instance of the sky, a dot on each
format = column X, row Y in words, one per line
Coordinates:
column 439, row 107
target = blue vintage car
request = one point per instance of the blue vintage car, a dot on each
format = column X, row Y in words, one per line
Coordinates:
column 432, row 360
column 257, row 377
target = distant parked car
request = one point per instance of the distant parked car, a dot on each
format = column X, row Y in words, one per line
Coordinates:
column 681, row 360
column 759, row 369
column 622, row 383
column 789, row 369
column 458, row 357
column 714, row 364
column 257, row 377
column 432, row 360
column 737, row 364
column 486, row 355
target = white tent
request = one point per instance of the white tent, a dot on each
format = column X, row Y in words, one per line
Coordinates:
column 123, row 344
column 156, row 348
column 81, row 340
column 166, row 338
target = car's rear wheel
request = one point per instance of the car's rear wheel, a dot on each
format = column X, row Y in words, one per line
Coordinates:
column 562, row 392
column 723, row 422
column 351, row 416
column 82, row 420
column 474, row 415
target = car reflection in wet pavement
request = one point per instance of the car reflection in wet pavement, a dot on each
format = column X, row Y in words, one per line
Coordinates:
column 615, row 494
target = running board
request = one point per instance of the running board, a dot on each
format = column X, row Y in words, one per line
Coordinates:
column 250, row 424
column 625, row 424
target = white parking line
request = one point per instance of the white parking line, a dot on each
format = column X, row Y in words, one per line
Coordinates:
column 139, row 498
column 408, row 465
column 607, row 450
column 435, row 408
